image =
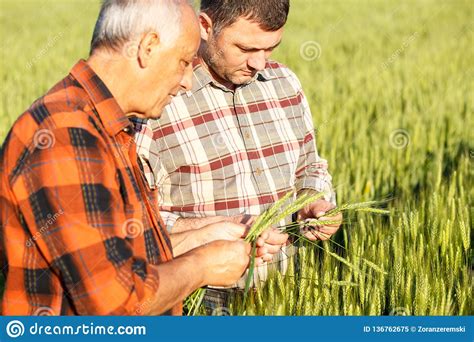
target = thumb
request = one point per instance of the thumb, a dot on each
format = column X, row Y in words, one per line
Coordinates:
column 247, row 246
column 300, row 215
column 319, row 213
column 321, row 208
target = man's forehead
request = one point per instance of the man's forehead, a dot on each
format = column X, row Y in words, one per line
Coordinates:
column 250, row 34
column 190, row 23
column 190, row 38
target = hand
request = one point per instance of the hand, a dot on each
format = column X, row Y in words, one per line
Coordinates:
column 236, row 227
column 268, row 244
column 317, row 210
column 223, row 262
column 224, row 230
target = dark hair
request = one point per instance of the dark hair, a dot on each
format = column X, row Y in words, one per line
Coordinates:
column 271, row 15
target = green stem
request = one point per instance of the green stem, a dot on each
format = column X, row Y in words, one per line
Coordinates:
column 251, row 269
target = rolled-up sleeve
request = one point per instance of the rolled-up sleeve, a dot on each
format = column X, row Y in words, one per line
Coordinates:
column 312, row 170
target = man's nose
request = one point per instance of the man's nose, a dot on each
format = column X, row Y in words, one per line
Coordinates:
column 257, row 60
column 187, row 80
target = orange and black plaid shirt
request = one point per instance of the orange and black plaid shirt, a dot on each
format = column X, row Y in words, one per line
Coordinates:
column 80, row 233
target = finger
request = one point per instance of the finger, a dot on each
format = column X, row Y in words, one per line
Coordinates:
column 260, row 242
column 328, row 230
column 265, row 235
column 272, row 249
column 310, row 236
column 314, row 234
column 247, row 246
column 259, row 262
column 319, row 235
column 261, row 251
column 337, row 217
column 267, row 257
column 323, row 237
column 320, row 208
column 304, row 213
column 332, row 226
column 276, row 238
column 320, row 214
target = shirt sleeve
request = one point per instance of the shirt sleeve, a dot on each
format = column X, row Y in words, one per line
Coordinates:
column 312, row 170
column 169, row 219
column 70, row 196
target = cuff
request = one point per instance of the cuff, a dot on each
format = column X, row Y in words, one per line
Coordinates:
column 169, row 219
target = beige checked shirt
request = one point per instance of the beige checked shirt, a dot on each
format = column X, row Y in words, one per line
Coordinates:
column 220, row 152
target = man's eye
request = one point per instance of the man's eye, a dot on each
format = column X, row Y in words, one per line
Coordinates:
column 245, row 49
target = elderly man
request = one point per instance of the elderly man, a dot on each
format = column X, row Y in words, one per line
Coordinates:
column 242, row 136
column 80, row 231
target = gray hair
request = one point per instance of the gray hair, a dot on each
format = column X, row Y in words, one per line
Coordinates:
column 121, row 21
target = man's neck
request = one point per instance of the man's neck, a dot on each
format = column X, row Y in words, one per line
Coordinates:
column 112, row 72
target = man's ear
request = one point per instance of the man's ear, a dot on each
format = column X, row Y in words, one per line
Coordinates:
column 206, row 26
column 149, row 44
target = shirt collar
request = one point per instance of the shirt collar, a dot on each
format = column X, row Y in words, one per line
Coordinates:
column 201, row 77
column 110, row 113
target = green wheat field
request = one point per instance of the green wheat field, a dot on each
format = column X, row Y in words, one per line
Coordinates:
column 390, row 84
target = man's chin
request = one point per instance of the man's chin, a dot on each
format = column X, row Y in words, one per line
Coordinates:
column 151, row 115
column 136, row 115
column 239, row 80
column 155, row 115
column 157, row 111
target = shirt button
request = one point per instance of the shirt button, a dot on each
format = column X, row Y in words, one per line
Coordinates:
column 258, row 171
column 247, row 135
column 126, row 129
